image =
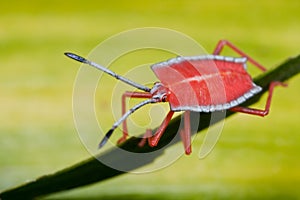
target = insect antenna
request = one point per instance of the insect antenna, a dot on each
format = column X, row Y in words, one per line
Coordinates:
column 117, row 123
column 104, row 69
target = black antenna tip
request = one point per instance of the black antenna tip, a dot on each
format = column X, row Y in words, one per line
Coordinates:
column 76, row 57
column 105, row 139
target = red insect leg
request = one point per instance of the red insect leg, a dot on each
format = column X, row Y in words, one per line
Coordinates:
column 259, row 112
column 185, row 133
column 147, row 135
column 221, row 45
column 127, row 94
column 252, row 111
column 154, row 139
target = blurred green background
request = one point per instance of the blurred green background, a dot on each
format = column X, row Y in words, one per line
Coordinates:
column 255, row 158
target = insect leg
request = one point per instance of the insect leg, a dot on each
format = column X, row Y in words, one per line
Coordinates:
column 185, row 133
column 128, row 94
column 147, row 135
column 221, row 45
column 259, row 112
column 154, row 139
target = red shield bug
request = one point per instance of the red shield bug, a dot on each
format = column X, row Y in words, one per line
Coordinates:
column 184, row 84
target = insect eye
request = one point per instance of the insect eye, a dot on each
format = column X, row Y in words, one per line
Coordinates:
column 164, row 99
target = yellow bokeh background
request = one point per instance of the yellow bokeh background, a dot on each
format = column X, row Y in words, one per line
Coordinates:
column 254, row 158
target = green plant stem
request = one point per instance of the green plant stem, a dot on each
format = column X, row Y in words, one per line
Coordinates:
column 92, row 171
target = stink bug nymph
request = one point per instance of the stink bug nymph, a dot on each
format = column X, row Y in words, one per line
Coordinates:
column 184, row 84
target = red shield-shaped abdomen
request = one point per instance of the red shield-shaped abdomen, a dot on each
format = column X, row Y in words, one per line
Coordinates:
column 205, row 83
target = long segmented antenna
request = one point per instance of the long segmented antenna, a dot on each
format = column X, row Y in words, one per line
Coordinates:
column 117, row 123
column 113, row 74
